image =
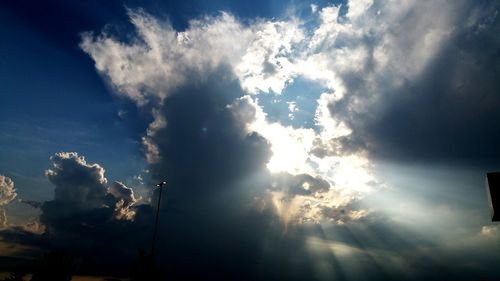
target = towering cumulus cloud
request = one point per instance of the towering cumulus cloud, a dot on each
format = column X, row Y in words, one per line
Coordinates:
column 240, row 177
column 84, row 185
column 215, row 167
column 166, row 67
column 86, row 215
column 76, row 181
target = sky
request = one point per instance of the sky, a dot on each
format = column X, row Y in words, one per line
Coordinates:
column 300, row 140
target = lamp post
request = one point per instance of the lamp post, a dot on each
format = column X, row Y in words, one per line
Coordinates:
column 493, row 191
column 160, row 186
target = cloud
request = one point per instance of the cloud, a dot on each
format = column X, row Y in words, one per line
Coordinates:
column 380, row 65
column 7, row 194
column 86, row 215
column 34, row 227
column 211, row 140
column 404, row 80
column 268, row 62
column 77, row 182
column 138, row 71
column 126, row 200
column 356, row 8
column 453, row 100
column 85, row 187
column 489, row 231
column 3, row 219
column 400, row 80
column 263, row 57
column 7, row 190
column 120, row 191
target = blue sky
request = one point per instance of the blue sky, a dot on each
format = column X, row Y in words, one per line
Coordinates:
column 345, row 140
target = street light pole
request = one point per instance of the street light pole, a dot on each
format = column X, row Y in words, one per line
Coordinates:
column 160, row 186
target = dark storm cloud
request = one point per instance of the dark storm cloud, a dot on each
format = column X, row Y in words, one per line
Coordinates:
column 211, row 223
column 449, row 112
column 210, row 227
column 202, row 136
column 103, row 243
column 85, row 218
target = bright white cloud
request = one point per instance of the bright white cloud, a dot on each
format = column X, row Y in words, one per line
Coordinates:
column 166, row 58
column 76, row 181
column 329, row 28
column 268, row 62
column 357, row 8
column 314, row 8
column 292, row 107
column 84, row 185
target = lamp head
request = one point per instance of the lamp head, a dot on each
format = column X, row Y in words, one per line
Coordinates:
column 161, row 184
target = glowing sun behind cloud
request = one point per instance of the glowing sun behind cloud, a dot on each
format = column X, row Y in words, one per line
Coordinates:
column 348, row 175
column 268, row 56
